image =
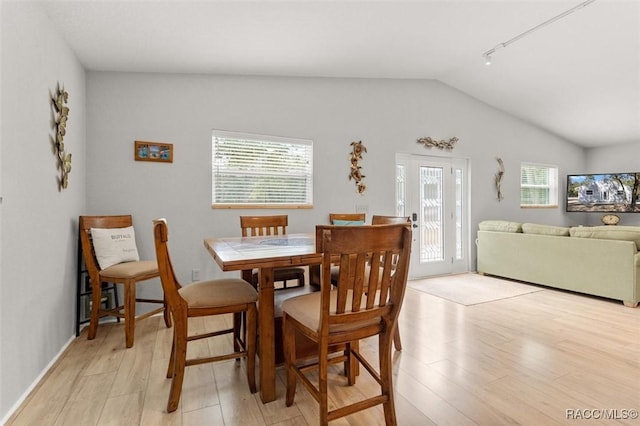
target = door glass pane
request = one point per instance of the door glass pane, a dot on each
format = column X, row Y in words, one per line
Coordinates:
column 458, row 178
column 431, row 192
column 401, row 179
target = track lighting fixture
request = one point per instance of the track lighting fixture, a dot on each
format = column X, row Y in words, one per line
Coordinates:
column 487, row 55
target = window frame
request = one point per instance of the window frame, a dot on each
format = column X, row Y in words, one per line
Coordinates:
column 551, row 185
column 307, row 171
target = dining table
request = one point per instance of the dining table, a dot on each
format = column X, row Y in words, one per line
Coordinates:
column 265, row 253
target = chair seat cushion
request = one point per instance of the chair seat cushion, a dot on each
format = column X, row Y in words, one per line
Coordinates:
column 130, row 270
column 306, row 309
column 219, row 292
column 287, row 293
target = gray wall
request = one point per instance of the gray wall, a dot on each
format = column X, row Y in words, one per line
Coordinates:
column 387, row 115
column 38, row 223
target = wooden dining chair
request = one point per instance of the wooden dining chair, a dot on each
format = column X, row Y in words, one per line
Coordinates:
column 127, row 273
column 387, row 220
column 347, row 218
column 204, row 298
column 358, row 307
column 253, row 226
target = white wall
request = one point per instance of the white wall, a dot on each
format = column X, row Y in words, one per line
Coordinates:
column 613, row 159
column 38, row 223
column 387, row 115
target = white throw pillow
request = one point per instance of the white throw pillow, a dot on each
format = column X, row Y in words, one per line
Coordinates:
column 114, row 245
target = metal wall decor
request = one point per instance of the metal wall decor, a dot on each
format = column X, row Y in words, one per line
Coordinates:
column 498, row 178
column 356, row 173
column 59, row 103
column 441, row 144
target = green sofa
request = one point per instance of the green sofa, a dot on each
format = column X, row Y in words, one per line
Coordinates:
column 600, row 260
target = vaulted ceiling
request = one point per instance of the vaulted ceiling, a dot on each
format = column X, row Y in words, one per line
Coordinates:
column 578, row 77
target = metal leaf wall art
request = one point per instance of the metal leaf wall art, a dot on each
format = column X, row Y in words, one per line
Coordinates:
column 498, row 178
column 356, row 173
column 59, row 103
column 441, row 144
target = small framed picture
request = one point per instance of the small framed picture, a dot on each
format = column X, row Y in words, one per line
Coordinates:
column 153, row 151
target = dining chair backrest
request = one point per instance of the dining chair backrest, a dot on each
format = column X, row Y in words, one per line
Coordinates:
column 373, row 267
column 386, row 220
column 253, row 226
column 85, row 223
column 347, row 218
column 170, row 283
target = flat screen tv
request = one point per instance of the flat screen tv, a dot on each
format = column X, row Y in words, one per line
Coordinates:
column 604, row 192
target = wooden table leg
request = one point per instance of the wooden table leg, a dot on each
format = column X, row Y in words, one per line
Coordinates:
column 314, row 276
column 266, row 335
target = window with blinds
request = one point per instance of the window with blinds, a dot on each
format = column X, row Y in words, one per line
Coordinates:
column 538, row 185
column 261, row 171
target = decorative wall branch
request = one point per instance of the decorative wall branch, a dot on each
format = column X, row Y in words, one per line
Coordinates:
column 441, row 144
column 356, row 173
column 59, row 103
column 498, row 178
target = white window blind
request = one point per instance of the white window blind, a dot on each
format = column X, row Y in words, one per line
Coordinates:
column 261, row 171
column 538, row 185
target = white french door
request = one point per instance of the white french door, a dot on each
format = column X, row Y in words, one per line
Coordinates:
column 435, row 197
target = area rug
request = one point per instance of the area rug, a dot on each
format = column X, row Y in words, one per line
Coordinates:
column 471, row 289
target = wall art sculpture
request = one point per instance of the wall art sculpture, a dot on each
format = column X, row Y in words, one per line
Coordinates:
column 356, row 173
column 498, row 178
column 441, row 144
column 61, row 114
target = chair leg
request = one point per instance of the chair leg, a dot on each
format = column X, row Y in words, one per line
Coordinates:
column 96, row 296
column 171, row 368
column 289, row 344
column 167, row 314
column 352, row 363
column 250, row 342
column 129, row 312
column 396, row 339
column 180, row 360
column 116, row 298
column 386, row 376
column 323, row 371
column 239, row 340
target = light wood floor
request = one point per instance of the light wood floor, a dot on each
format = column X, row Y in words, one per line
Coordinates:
column 522, row 360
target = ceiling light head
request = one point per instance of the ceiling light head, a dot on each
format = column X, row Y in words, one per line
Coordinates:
column 487, row 59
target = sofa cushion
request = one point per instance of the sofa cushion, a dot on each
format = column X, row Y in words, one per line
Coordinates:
column 625, row 233
column 500, row 226
column 534, row 228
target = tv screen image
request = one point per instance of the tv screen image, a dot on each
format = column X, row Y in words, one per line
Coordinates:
column 604, row 192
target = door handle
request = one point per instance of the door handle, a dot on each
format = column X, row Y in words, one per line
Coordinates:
column 414, row 225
